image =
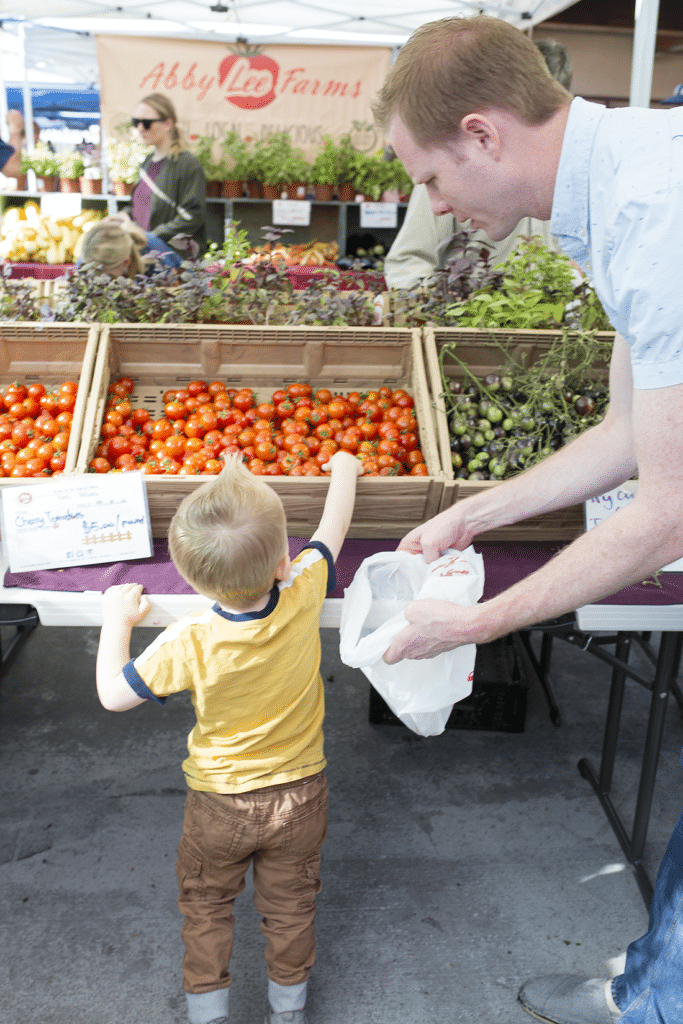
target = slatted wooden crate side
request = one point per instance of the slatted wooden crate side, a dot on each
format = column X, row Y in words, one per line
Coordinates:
column 50, row 354
column 343, row 359
column 486, row 352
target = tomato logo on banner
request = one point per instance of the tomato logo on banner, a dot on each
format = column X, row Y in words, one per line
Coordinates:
column 249, row 79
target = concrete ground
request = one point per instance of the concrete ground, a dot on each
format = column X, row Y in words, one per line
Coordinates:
column 456, row 866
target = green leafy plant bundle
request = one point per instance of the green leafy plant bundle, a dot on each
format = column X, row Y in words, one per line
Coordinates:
column 275, row 161
column 328, row 166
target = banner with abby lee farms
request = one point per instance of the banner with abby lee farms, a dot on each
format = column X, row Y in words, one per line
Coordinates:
column 217, row 87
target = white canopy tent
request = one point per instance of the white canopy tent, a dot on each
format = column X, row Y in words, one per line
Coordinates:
column 58, row 36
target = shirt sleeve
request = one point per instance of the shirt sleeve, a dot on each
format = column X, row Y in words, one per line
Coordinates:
column 317, row 545
column 643, row 281
column 5, row 153
column 167, row 665
column 138, row 684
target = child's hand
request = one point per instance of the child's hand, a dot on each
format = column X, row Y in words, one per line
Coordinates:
column 341, row 458
column 125, row 602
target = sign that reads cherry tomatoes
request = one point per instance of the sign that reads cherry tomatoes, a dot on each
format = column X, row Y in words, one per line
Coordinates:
column 75, row 520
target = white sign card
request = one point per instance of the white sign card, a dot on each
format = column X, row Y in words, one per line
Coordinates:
column 292, row 211
column 85, row 519
column 60, row 204
column 597, row 509
column 378, row 215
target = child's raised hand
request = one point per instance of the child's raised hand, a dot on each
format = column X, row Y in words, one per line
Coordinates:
column 343, row 458
column 125, row 602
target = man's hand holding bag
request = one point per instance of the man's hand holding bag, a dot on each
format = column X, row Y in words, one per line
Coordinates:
column 421, row 693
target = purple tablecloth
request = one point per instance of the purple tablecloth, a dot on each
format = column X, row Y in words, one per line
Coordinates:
column 505, row 563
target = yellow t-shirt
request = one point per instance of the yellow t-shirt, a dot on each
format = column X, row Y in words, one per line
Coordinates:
column 255, row 683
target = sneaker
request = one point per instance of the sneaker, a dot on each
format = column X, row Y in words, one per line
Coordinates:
column 290, row 1017
column 568, row 999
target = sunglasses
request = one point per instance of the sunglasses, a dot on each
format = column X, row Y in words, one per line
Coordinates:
column 145, row 122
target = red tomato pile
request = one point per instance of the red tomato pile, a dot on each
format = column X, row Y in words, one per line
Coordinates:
column 293, row 434
column 35, row 425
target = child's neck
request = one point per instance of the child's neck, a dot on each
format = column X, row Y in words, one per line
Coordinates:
column 256, row 607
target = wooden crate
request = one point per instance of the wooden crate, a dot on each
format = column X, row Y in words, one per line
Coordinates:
column 158, row 358
column 481, row 352
column 50, row 354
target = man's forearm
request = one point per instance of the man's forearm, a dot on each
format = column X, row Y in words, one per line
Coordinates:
column 626, row 548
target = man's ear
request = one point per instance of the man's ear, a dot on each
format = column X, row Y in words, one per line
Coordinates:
column 482, row 131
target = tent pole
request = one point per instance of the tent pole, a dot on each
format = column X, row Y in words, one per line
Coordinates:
column 26, row 90
column 644, row 43
column 4, row 128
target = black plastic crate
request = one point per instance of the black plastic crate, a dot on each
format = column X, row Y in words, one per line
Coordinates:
column 498, row 699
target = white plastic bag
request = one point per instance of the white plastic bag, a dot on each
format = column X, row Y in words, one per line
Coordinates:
column 420, row 692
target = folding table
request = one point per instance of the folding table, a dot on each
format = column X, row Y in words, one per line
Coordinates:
column 72, row 597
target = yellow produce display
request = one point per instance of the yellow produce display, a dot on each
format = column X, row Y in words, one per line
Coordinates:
column 27, row 236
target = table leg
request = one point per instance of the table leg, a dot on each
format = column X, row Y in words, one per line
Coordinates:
column 616, row 699
column 23, row 626
column 666, row 669
column 538, row 670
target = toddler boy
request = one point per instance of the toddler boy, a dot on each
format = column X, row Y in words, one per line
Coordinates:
column 257, row 791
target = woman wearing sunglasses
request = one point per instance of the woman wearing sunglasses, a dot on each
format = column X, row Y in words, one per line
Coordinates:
column 169, row 198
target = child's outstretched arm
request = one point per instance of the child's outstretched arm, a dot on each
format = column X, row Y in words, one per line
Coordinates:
column 122, row 608
column 341, row 496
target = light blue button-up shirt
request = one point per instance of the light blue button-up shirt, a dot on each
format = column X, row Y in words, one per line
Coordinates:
column 618, row 212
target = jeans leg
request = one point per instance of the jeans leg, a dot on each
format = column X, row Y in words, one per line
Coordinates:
column 650, row 991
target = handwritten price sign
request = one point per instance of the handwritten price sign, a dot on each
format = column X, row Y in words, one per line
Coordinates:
column 75, row 520
column 597, row 509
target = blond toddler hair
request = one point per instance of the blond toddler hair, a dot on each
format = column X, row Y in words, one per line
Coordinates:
column 229, row 536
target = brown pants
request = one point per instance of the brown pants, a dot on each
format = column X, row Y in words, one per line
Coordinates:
column 280, row 829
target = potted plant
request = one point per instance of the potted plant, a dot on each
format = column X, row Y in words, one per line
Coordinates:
column 277, row 163
column 326, row 169
column 298, row 174
column 236, row 165
column 46, row 166
column 123, row 162
column 22, row 179
column 347, row 154
column 71, row 167
column 371, row 175
column 203, row 148
column 400, row 179
column 91, row 180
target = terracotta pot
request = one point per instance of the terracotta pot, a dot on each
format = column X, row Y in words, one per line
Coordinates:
column 271, row 191
column 255, row 190
column 69, row 185
column 91, row 186
column 49, row 182
column 231, row 189
column 323, row 193
column 213, row 189
column 346, row 193
column 296, row 190
column 123, row 188
column 22, row 182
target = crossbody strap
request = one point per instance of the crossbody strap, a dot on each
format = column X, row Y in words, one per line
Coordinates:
column 160, row 194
